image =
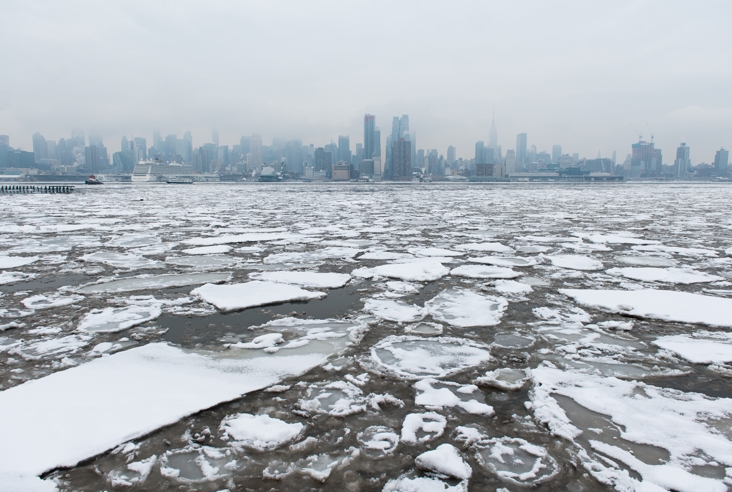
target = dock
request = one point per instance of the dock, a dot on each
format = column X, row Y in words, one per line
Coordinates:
column 66, row 189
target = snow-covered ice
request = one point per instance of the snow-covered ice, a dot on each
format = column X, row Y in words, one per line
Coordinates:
column 700, row 348
column 233, row 297
column 313, row 280
column 418, row 271
column 394, row 310
column 670, row 275
column 16, row 261
column 464, row 308
column 444, row 460
column 129, row 284
column 208, row 250
column 260, row 432
column 113, row 319
column 575, row 262
column 481, row 271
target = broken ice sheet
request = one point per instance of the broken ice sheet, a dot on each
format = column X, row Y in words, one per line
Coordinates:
column 425, row 270
column 419, row 428
column 113, row 319
column 259, row 432
column 41, row 301
column 515, row 460
column 151, row 282
column 339, row 398
column 394, row 310
column 575, row 262
column 235, row 297
column 378, row 441
column 699, row 347
column 122, row 260
column 314, row 280
column 670, row 275
column 437, row 395
column 484, row 271
column 464, row 308
column 506, row 379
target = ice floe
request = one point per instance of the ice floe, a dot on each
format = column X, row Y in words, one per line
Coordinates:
column 378, row 441
column 339, row 398
column 668, row 305
column 411, row 483
column 699, row 348
column 436, row 395
column 465, row 308
column 444, row 460
column 122, row 260
column 312, row 256
column 16, row 261
column 41, row 301
column 113, row 319
column 659, row 248
column 233, row 297
column 394, row 310
column 648, row 261
column 13, row 277
column 418, row 271
column 315, row 280
column 259, row 432
column 434, row 252
column 212, row 262
column 495, row 247
column 670, row 275
column 575, row 262
column 515, row 460
column 416, row 358
column 240, row 238
column 208, row 250
column 481, row 271
column 505, row 261
column 418, row 428
column 511, row 287
column 384, row 255
column 506, row 379
column 149, row 282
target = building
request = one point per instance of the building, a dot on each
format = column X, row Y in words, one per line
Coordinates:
column 451, row 155
column 369, row 127
column 566, row 161
column 682, row 164
column 521, row 143
column 256, row 154
column 646, row 160
column 377, row 143
column 93, row 159
column 344, row 148
column 402, row 160
column 479, row 152
column 40, row 149
column 556, row 153
column 484, row 170
column 341, row 171
column 721, row 161
column 510, row 161
column 493, row 134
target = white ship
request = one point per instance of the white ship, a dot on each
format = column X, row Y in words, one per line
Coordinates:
column 156, row 171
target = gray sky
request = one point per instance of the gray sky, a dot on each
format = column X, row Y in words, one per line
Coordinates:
column 577, row 73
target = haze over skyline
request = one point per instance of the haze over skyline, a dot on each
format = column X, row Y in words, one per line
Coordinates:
column 589, row 77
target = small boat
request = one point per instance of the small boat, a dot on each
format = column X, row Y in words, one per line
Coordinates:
column 180, row 181
column 92, row 180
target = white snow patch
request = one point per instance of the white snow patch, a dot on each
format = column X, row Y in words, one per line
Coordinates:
column 152, row 282
column 419, row 271
column 315, row 280
column 480, row 271
column 208, row 250
column 671, row 275
column 434, row 252
column 122, row 260
column 465, row 308
column 512, row 287
column 394, row 311
column 444, row 460
column 436, row 395
column 16, row 261
column 575, row 262
column 113, row 319
column 41, row 301
column 702, row 348
column 431, row 425
column 235, row 297
column 495, row 247
column 260, row 432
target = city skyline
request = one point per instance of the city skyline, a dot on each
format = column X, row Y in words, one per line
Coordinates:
column 590, row 78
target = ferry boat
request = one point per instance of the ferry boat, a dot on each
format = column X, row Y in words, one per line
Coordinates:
column 92, row 180
column 179, row 181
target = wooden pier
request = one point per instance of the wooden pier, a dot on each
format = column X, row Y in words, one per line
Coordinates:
column 14, row 188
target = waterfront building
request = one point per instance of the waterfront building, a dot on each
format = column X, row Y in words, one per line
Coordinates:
column 682, row 164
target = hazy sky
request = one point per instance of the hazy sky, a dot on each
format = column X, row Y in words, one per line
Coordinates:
column 589, row 75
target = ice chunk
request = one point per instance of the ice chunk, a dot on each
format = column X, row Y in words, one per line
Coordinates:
column 576, row 262
column 133, row 241
column 622, row 238
column 495, row 247
column 383, row 255
column 425, row 329
column 667, row 305
column 203, row 262
column 444, row 460
column 339, row 398
column 88, row 409
column 260, row 432
column 394, row 311
column 434, row 252
column 113, row 319
column 312, row 256
column 480, row 271
column 41, row 301
column 659, row 248
column 12, row 277
column 650, row 261
column 234, row 297
column 699, row 349
column 415, row 358
column 16, row 261
column 240, row 238
column 122, row 260
column 511, row 287
column 505, row 261
column 208, row 250
column 672, row 275
column 516, row 460
column 418, row 271
column 314, row 280
column 465, row 308
column 409, row 483
column 435, row 394
column 402, row 287
column 378, row 441
column 152, row 282
column 418, row 428
column 505, row 379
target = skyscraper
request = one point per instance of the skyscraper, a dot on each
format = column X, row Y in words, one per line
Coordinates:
column 140, row 148
column 377, row 143
column 450, row 155
column 521, row 141
column 369, row 125
column 40, row 149
column 556, row 153
column 493, row 134
column 646, row 161
column 92, row 159
column 255, row 151
column 479, row 152
column 402, row 157
column 344, row 148
column 403, row 125
column 682, row 164
column 721, row 160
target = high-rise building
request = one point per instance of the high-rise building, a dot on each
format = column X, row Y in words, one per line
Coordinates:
column 40, row 149
column 480, row 152
column 521, row 143
column 721, row 161
column 170, row 146
column 124, row 144
column 682, row 164
column 4, row 150
column 450, row 155
column 646, row 161
column 255, row 150
column 5, row 140
column 158, row 141
column 510, row 161
column 140, row 149
column 92, row 154
column 403, row 125
column 369, row 126
column 493, row 134
column 402, row 160
column 377, row 144
column 556, row 153
column 96, row 139
column 344, row 148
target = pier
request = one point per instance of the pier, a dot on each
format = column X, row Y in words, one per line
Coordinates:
column 66, row 189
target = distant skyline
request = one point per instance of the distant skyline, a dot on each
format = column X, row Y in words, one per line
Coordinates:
column 587, row 76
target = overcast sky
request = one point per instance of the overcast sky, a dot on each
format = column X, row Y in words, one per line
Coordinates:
column 588, row 75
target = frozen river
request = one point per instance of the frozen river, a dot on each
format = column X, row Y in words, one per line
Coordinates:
column 419, row 337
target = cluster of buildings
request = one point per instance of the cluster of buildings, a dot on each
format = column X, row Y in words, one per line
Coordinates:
column 399, row 159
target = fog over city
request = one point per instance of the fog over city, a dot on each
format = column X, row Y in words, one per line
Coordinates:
column 589, row 76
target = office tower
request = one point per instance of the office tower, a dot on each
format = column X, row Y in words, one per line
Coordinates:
column 40, row 150
column 369, row 125
column 575, row 158
column 157, row 141
column 215, row 137
column 395, row 129
column 188, row 138
column 344, row 148
column 124, row 144
column 5, row 140
column 140, row 148
column 615, row 158
column 170, row 145
column 403, row 125
column 510, row 161
column 255, row 149
column 480, row 152
column 319, row 163
column 521, row 141
column 646, row 161
column 95, row 139
column 244, row 142
column 682, row 164
column 51, row 150
column 721, row 160
column 91, row 153
column 493, row 134
column 489, row 155
column 556, row 153
column 377, row 144
column 402, row 157
column 450, row 155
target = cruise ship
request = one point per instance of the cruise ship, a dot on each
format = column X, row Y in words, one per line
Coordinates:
column 156, row 171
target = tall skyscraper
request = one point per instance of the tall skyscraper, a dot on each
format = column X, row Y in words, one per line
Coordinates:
column 647, row 160
column 403, row 125
column 510, row 161
column 140, row 148
column 344, row 148
column 377, row 143
column 493, row 134
column 402, row 157
column 480, row 152
column 395, row 129
column 93, row 166
column 157, row 141
column 556, row 153
column 369, row 126
column 40, row 149
column 682, row 164
column 255, row 151
column 521, row 142
column 721, row 160
column 5, row 140
column 124, row 144
column 450, row 155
